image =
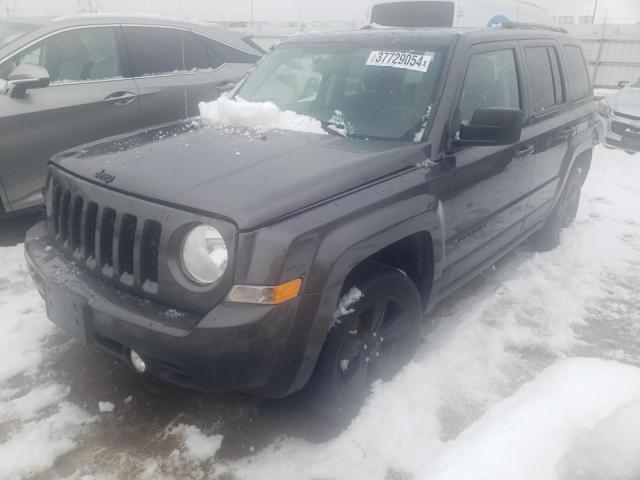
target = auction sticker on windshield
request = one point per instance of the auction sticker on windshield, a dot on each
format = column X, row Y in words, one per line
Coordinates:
column 405, row 60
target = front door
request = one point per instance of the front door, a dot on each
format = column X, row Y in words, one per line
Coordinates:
column 489, row 186
column 88, row 99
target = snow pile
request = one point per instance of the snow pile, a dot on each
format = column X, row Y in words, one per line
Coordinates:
column 28, row 406
column 199, row 447
column 527, row 434
column 23, row 323
column 610, row 450
column 36, row 445
column 261, row 116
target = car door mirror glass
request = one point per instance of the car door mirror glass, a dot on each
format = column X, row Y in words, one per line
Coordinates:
column 25, row 77
column 492, row 127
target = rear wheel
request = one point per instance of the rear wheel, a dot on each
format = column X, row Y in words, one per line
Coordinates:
column 376, row 335
column 565, row 211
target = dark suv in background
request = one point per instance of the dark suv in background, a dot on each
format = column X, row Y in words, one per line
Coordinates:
column 227, row 259
column 72, row 80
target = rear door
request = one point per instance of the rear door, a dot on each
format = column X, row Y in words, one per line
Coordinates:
column 552, row 124
column 206, row 71
column 89, row 98
column 158, row 67
column 174, row 70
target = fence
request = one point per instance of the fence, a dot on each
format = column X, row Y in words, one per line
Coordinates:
column 612, row 51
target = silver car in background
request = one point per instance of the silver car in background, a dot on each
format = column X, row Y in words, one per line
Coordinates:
column 620, row 119
column 72, row 80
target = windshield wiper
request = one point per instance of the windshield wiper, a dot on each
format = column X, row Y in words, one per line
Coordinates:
column 334, row 129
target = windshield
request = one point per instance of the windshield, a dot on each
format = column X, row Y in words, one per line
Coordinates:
column 361, row 92
column 9, row 31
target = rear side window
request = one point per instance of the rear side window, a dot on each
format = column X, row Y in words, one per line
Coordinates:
column 491, row 81
column 541, row 79
column 577, row 73
column 229, row 54
column 197, row 56
column 155, row 51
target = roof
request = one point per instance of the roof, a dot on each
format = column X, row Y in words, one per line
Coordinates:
column 51, row 24
column 416, row 35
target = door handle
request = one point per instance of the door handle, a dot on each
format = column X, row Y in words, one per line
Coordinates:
column 120, row 98
column 524, row 151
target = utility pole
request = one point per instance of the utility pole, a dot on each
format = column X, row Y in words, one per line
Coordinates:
column 252, row 19
column 88, row 6
column 593, row 17
column 148, row 6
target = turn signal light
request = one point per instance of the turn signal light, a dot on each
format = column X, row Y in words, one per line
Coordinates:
column 265, row 295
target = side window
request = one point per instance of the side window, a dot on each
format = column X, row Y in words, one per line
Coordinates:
column 196, row 54
column 155, row 51
column 228, row 54
column 577, row 73
column 491, row 81
column 541, row 80
column 75, row 55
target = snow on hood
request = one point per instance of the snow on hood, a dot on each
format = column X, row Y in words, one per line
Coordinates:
column 261, row 116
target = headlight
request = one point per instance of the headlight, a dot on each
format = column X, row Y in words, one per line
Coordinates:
column 204, row 254
column 604, row 108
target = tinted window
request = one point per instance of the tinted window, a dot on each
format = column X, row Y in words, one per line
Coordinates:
column 577, row 74
column 491, row 81
column 75, row 55
column 541, row 84
column 229, row 54
column 155, row 51
column 197, row 56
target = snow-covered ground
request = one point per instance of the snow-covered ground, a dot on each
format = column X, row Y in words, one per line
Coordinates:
column 532, row 371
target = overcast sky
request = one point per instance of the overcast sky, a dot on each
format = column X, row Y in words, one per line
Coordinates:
column 271, row 10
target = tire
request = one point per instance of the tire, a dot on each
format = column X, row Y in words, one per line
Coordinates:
column 356, row 352
column 563, row 214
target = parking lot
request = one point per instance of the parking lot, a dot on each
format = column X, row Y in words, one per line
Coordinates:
column 496, row 334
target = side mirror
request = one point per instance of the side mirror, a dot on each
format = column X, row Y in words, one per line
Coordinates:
column 492, row 127
column 25, row 77
column 623, row 83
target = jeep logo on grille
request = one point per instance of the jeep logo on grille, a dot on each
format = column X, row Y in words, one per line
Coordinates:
column 105, row 177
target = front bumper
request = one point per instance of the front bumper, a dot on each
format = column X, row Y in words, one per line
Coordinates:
column 265, row 350
column 620, row 132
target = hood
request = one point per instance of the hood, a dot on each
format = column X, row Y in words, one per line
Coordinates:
column 250, row 178
column 626, row 101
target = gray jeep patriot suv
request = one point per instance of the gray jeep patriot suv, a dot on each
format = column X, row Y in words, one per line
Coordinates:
column 222, row 258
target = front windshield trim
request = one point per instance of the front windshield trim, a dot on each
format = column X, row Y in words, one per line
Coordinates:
column 417, row 131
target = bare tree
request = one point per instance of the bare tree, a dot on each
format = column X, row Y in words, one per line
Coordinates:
column 10, row 8
column 88, row 6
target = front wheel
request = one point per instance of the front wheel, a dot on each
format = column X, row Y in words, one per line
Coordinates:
column 375, row 332
column 563, row 214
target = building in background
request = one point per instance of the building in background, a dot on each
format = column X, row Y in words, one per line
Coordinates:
column 612, row 51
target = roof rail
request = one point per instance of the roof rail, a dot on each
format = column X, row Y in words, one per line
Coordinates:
column 532, row 26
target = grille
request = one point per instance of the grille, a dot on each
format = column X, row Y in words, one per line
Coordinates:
column 624, row 129
column 115, row 244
